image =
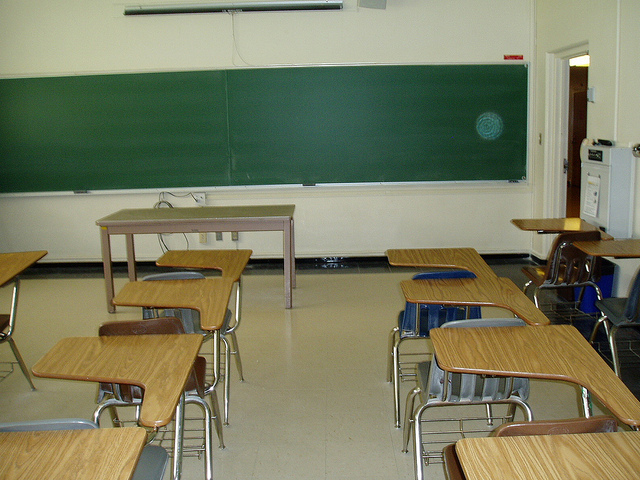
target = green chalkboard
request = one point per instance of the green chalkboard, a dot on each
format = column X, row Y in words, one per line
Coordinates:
column 113, row 132
column 299, row 125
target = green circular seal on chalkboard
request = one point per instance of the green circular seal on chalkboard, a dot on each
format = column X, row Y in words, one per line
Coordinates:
column 489, row 125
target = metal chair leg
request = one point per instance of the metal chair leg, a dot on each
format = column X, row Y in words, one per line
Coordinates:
column 392, row 339
column 215, row 414
column 235, row 351
column 227, row 378
column 208, row 450
column 23, row 367
column 611, row 334
column 395, row 353
column 408, row 418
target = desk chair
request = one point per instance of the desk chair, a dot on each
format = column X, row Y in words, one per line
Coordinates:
column 599, row 424
column 151, row 464
column 618, row 312
column 7, row 325
column 414, row 322
column 437, row 388
column 114, row 395
column 191, row 321
column 567, row 267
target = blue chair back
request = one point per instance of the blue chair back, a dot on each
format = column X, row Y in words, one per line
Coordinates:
column 434, row 316
column 632, row 309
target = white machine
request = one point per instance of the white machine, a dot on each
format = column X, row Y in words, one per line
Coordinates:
column 607, row 187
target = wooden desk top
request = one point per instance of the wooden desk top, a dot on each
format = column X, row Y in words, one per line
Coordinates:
column 554, row 352
column 481, row 291
column 629, row 248
column 557, row 225
column 95, row 454
column 230, row 262
column 584, row 456
column 465, row 258
column 153, row 215
column 12, row 264
column 210, row 296
column 553, row 225
column 158, row 363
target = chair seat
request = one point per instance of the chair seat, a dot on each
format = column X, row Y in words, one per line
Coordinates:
column 613, row 308
column 151, row 464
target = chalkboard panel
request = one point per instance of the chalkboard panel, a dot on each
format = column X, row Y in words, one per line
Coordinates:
column 113, row 132
column 301, row 125
column 378, row 124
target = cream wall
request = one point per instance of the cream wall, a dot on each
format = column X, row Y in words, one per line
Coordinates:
column 610, row 29
column 66, row 37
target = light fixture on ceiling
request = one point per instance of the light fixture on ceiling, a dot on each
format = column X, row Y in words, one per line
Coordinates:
column 244, row 6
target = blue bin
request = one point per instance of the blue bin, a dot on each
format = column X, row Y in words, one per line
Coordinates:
column 588, row 304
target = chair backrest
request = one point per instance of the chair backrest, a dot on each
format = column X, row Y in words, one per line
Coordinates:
column 568, row 265
column 152, row 326
column 190, row 318
column 597, row 424
column 52, row 424
column 433, row 316
column 632, row 308
column 463, row 387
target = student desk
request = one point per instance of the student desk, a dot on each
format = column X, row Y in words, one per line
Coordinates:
column 12, row 265
column 93, row 454
column 231, row 264
column 482, row 291
column 197, row 219
column 553, row 225
column 629, row 248
column 553, row 352
column 160, row 364
column 209, row 296
column 585, row 456
column 465, row 258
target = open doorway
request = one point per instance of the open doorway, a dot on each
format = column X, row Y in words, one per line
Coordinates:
column 577, row 129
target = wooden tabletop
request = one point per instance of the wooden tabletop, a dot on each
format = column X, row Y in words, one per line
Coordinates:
column 584, row 456
column 230, row 262
column 481, row 291
column 629, row 248
column 160, row 364
column 553, row 225
column 95, row 454
column 210, row 296
column 12, row 264
column 554, row 352
column 153, row 215
column 465, row 258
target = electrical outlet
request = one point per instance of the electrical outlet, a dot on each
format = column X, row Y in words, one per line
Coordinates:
column 200, row 198
column 203, row 237
column 218, row 236
column 234, row 236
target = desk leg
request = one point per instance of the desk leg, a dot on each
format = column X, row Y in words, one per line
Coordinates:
column 131, row 257
column 177, row 441
column 105, row 245
column 289, row 264
column 293, row 256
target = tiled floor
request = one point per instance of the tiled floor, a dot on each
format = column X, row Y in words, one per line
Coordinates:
column 315, row 403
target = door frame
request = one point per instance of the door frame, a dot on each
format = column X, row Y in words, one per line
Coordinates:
column 557, row 127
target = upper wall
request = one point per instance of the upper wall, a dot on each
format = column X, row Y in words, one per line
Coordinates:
column 38, row 37
column 66, row 37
